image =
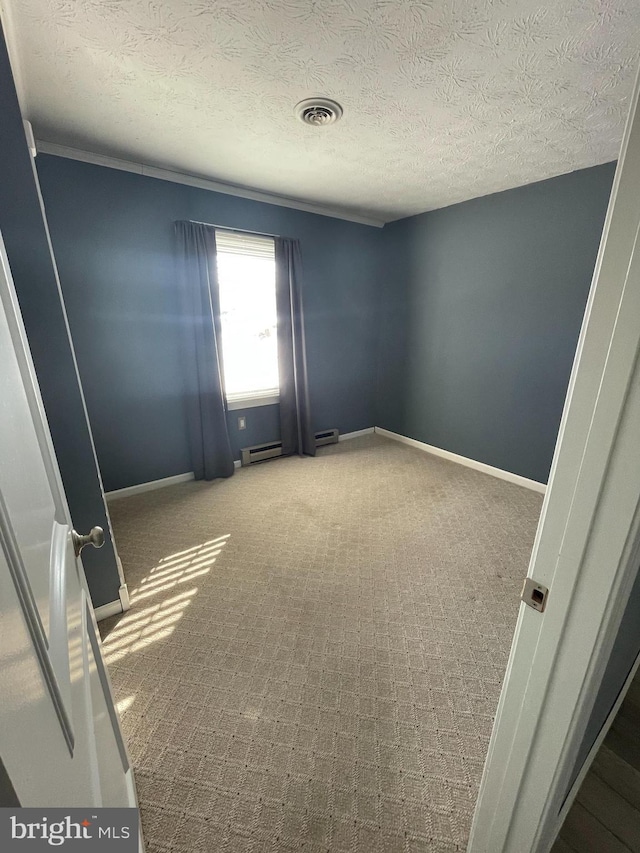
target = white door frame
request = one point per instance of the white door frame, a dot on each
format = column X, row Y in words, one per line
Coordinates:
column 60, row 733
column 122, row 603
column 586, row 549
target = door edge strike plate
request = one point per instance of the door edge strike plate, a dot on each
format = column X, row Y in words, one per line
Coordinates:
column 534, row 594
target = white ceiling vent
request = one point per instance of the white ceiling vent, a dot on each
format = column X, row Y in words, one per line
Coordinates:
column 318, row 111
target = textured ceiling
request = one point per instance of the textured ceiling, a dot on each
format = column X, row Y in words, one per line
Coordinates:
column 444, row 100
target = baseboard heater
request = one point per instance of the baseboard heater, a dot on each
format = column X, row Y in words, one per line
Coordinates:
column 327, row 436
column 273, row 449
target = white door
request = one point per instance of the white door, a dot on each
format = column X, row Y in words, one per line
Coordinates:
column 60, row 738
column 586, row 550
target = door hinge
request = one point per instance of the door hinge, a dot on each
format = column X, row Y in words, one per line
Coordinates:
column 534, row 594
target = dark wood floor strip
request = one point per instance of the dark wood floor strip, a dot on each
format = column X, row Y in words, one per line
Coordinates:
column 586, row 834
column 613, row 811
column 561, row 846
column 618, row 774
column 622, row 739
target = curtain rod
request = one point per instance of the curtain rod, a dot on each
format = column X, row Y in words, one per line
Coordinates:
column 229, row 228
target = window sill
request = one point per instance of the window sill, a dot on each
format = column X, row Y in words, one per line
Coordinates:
column 253, row 401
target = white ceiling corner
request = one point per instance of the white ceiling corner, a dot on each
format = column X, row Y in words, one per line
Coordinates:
column 444, row 100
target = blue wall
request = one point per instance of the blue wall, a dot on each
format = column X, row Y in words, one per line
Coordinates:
column 113, row 237
column 483, row 306
column 471, row 314
column 23, row 229
column 262, row 425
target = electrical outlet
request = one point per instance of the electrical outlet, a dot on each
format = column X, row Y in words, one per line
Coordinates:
column 242, row 423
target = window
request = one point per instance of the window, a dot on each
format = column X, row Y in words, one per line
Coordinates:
column 247, row 280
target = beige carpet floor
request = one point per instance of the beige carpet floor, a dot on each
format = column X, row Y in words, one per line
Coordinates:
column 315, row 648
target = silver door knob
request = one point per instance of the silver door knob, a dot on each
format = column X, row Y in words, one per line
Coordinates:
column 95, row 538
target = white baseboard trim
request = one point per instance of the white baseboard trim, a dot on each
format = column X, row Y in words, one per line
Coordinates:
column 156, row 484
column 148, row 487
column 347, row 435
column 463, row 460
column 123, row 592
column 112, row 608
column 106, row 610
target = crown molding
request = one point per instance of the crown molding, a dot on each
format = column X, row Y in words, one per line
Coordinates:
column 203, row 183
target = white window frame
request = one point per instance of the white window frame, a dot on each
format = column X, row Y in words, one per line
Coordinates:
column 248, row 399
column 253, row 400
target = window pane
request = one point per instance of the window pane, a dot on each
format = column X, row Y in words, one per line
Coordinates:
column 249, row 323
